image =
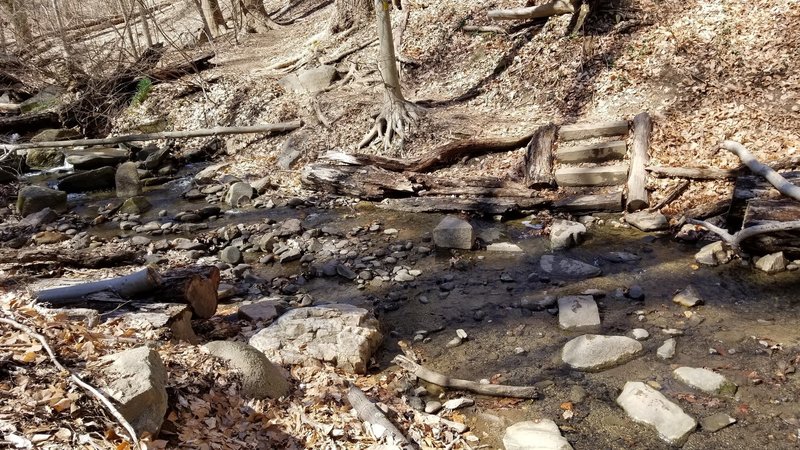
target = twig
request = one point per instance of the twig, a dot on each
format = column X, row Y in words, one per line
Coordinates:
column 76, row 379
column 781, row 184
column 467, row 385
column 371, row 414
column 483, row 29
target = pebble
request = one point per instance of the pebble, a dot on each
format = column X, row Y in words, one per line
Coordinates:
column 457, row 403
column 667, row 349
column 461, row 333
column 716, row 422
column 506, row 278
column 455, row 342
column 640, row 334
column 433, row 407
column 636, row 292
column 390, row 231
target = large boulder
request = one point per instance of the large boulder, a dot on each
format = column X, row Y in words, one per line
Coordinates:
column 561, row 267
column 592, row 352
column 44, row 158
column 565, row 234
column 91, row 180
column 32, row 199
column 136, row 381
column 340, row 334
column 260, row 378
column 646, row 405
column 239, row 193
column 542, row 434
column 317, row 79
column 127, row 180
column 453, row 232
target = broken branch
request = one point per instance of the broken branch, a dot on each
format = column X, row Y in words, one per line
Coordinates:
column 784, row 187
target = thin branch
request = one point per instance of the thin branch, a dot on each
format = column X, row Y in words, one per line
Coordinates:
column 76, row 379
column 735, row 240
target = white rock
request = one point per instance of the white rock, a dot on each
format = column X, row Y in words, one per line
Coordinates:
column 505, row 247
column 461, row 333
column 667, row 349
column 592, row 352
column 773, row 263
column 578, row 312
column 687, row 297
column 456, row 403
column 713, row 254
column 542, row 434
column 705, row 380
column 453, row 232
column 565, row 234
column 640, row 334
column 646, row 405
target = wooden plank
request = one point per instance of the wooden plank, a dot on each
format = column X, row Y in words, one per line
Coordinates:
column 595, row 129
column 599, row 152
column 592, row 176
column 539, row 157
column 638, row 197
column 481, row 205
column 611, row 202
column 764, row 211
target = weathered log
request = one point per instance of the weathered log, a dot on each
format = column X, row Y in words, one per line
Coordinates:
column 206, row 132
column 195, row 286
column 163, row 316
column 638, row 197
column 671, row 195
column 478, row 191
column 126, row 286
column 553, row 8
column 539, row 157
column 611, row 202
column 593, row 153
column 577, row 131
column 481, row 205
column 781, row 184
column 369, row 413
column 29, row 122
column 762, row 212
column 482, row 187
column 695, row 173
column 91, row 259
column 735, row 240
column 592, row 176
column 9, row 108
column 483, row 29
column 367, row 182
column 707, row 210
column 423, row 373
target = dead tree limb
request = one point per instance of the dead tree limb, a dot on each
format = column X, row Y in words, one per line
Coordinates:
column 735, row 240
column 467, row 385
column 127, row 286
column 372, row 415
column 216, row 131
column 671, row 195
column 638, row 197
column 92, row 259
column 695, row 173
column 554, row 8
column 784, row 187
column 76, row 379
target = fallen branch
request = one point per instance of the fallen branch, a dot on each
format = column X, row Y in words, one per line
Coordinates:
column 76, row 379
column 483, row 29
column 784, row 187
column 91, row 259
column 374, row 417
column 695, row 173
column 735, row 240
column 206, row 132
column 554, row 8
column 439, row 379
column 139, row 282
column 671, row 196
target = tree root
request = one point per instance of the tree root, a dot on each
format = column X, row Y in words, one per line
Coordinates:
column 397, row 118
column 735, row 240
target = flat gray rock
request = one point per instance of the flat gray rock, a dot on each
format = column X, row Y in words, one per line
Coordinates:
column 578, row 313
column 341, row 334
column 621, row 257
column 713, row 254
column 592, row 352
column 260, row 378
column 453, row 232
column 667, row 349
column 542, row 434
column 647, row 221
column 561, row 267
column 646, row 405
column 716, row 422
column 688, row 297
column 772, row 263
column 260, row 311
column 565, row 234
column 705, row 380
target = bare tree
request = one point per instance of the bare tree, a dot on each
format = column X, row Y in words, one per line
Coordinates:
column 19, row 20
column 349, row 14
column 256, row 18
column 62, row 33
column 398, row 114
column 146, row 26
column 213, row 16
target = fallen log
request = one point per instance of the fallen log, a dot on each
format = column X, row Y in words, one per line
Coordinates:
column 638, row 197
column 671, row 196
column 432, row 185
column 478, row 191
column 735, row 240
column 182, row 68
column 423, row 373
column 126, row 286
column 539, row 157
column 611, row 202
column 367, row 182
column 206, row 132
column 374, row 418
column 695, row 173
column 481, row 205
column 27, row 123
column 195, row 286
column 177, row 319
column 768, row 211
column 554, row 8
column 90, row 259
column 707, row 210
column 774, row 178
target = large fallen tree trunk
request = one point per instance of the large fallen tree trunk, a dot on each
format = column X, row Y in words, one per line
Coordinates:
column 480, row 205
column 638, row 197
column 611, row 202
column 127, row 286
column 695, row 173
column 442, row 380
column 554, row 8
column 90, row 259
column 216, row 131
column 367, row 182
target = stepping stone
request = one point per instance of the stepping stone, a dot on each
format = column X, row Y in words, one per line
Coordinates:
column 591, row 203
column 592, row 176
column 716, row 422
column 453, row 232
column 542, row 434
column 578, row 313
column 647, row 221
column 687, row 297
column 561, row 267
column 667, row 349
column 601, row 151
column 592, row 352
column 646, row 405
column 705, row 380
column 595, row 129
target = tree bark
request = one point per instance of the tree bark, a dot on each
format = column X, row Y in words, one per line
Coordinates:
column 127, row 286
column 554, row 8
column 638, row 197
column 148, row 38
column 256, row 18
column 213, row 16
column 19, row 21
column 194, row 286
column 539, row 158
column 350, row 14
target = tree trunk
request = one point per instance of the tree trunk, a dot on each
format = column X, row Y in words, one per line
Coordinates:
column 256, row 18
column 127, row 286
column 350, row 14
column 128, row 27
column 553, row 8
column 539, row 158
column 148, row 38
column 62, row 32
column 19, row 21
column 638, row 197
column 206, row 34
column 213, row 16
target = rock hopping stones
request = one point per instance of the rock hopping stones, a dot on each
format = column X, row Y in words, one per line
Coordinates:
column 542, row 434
column 578, row 313
column 453, row 232
column 340, row 334
column 646, row 405
column 705, row 380
column 33, row 199
column 667, row 349
column 592, row 352
column 127, row 180
column 647, row 221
